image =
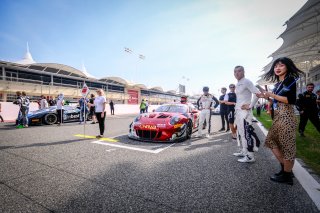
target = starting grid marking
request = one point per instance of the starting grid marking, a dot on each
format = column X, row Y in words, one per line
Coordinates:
column 112, row 142
column 133, row 148
column 93, row 137
column 101, row 142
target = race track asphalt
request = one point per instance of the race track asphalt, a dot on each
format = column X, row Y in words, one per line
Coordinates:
column 49, row 169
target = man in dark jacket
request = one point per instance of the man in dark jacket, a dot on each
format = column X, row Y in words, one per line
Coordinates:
column 307, row 107
column 111, row 104
column 223, row 110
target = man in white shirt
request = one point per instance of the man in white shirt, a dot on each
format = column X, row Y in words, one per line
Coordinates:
column 60, row 103
column 243, row 116
column 43, row 102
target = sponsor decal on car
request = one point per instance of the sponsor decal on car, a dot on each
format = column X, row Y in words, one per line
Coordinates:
column 74, row 116
column 35, row 120
column 177, row 125
column 148, row 126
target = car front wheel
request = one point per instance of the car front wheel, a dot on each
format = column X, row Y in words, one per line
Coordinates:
column 189, row 130
column 50, row 119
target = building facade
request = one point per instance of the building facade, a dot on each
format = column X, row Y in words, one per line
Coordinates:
column 51, row 79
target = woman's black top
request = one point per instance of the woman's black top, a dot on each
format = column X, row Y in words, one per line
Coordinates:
column 287, row 89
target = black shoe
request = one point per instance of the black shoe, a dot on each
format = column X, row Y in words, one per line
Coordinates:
column 280, row 172
column 222, row 129
column 285, row 177
column 301, row 133
column 227, row 130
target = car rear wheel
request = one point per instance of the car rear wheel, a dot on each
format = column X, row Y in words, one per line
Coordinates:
column 189, row 130
column 50, row 119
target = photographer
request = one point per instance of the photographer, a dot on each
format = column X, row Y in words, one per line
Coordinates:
column 17, row 102
column 23, row 102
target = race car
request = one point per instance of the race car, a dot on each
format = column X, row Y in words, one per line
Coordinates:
column 50, row 116
column 168, row 123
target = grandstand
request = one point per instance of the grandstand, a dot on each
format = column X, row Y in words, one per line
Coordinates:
column 50, row 79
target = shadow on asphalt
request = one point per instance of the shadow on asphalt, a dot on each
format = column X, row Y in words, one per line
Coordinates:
column 191, row 143
column 203, row 183
column 45, row 144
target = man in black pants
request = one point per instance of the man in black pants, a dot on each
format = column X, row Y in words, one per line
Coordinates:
column 223, row 110
column 111, row 104
column 307, row 106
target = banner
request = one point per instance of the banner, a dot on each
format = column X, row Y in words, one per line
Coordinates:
column 133, row 97
column 85, row 90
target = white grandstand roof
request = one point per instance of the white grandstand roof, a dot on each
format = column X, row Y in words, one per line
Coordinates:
column 84, row 70
column 172, row 91
column 157, row 89
column 115, row 80
column 59, row 69
column 141, row 86
column 301, row 39
column 27, row 59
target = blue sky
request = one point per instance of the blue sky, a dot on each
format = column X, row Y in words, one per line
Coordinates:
column 199, row 40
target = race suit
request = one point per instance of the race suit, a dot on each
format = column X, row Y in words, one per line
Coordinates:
column 204, row 104
column 243, row 118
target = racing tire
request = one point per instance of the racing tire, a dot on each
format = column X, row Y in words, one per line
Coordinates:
column 50, row 119
column 189, row 130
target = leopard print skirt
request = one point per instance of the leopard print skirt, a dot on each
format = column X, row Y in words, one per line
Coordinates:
column 282, row 134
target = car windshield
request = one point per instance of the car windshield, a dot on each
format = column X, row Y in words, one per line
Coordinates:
column 172, row 108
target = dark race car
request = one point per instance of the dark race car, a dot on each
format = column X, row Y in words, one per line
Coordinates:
column 50, row 116
column 168, row 123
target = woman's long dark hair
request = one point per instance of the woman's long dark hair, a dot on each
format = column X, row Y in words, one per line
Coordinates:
column 292, row 70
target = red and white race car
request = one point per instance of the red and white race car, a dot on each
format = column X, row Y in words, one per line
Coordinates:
column 168, row 123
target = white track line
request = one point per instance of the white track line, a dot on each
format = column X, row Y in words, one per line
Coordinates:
column 309, row 184
column 132, row 148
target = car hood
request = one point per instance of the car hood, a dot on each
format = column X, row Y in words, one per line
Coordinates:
column 158, row 117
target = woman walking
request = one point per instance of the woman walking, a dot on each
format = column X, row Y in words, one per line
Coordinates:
column 60, row 103
column 100, row 109
column 281, row 138
column 92, row 108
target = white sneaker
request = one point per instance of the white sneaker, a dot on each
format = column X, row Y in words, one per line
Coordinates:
column 255, row 149
column 247, row 159
column 208, row 136
column 239, row 154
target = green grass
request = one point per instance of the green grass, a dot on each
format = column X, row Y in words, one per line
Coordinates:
column 308, row 148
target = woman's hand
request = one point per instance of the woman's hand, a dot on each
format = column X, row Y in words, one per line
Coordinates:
column 260, row 95
column 268, row 94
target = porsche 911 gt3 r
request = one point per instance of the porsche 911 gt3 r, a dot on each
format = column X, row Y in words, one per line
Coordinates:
column 169, row 122
column 50, row 116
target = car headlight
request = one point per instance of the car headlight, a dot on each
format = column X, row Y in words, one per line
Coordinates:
column 174, row 120
column 137, row 118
